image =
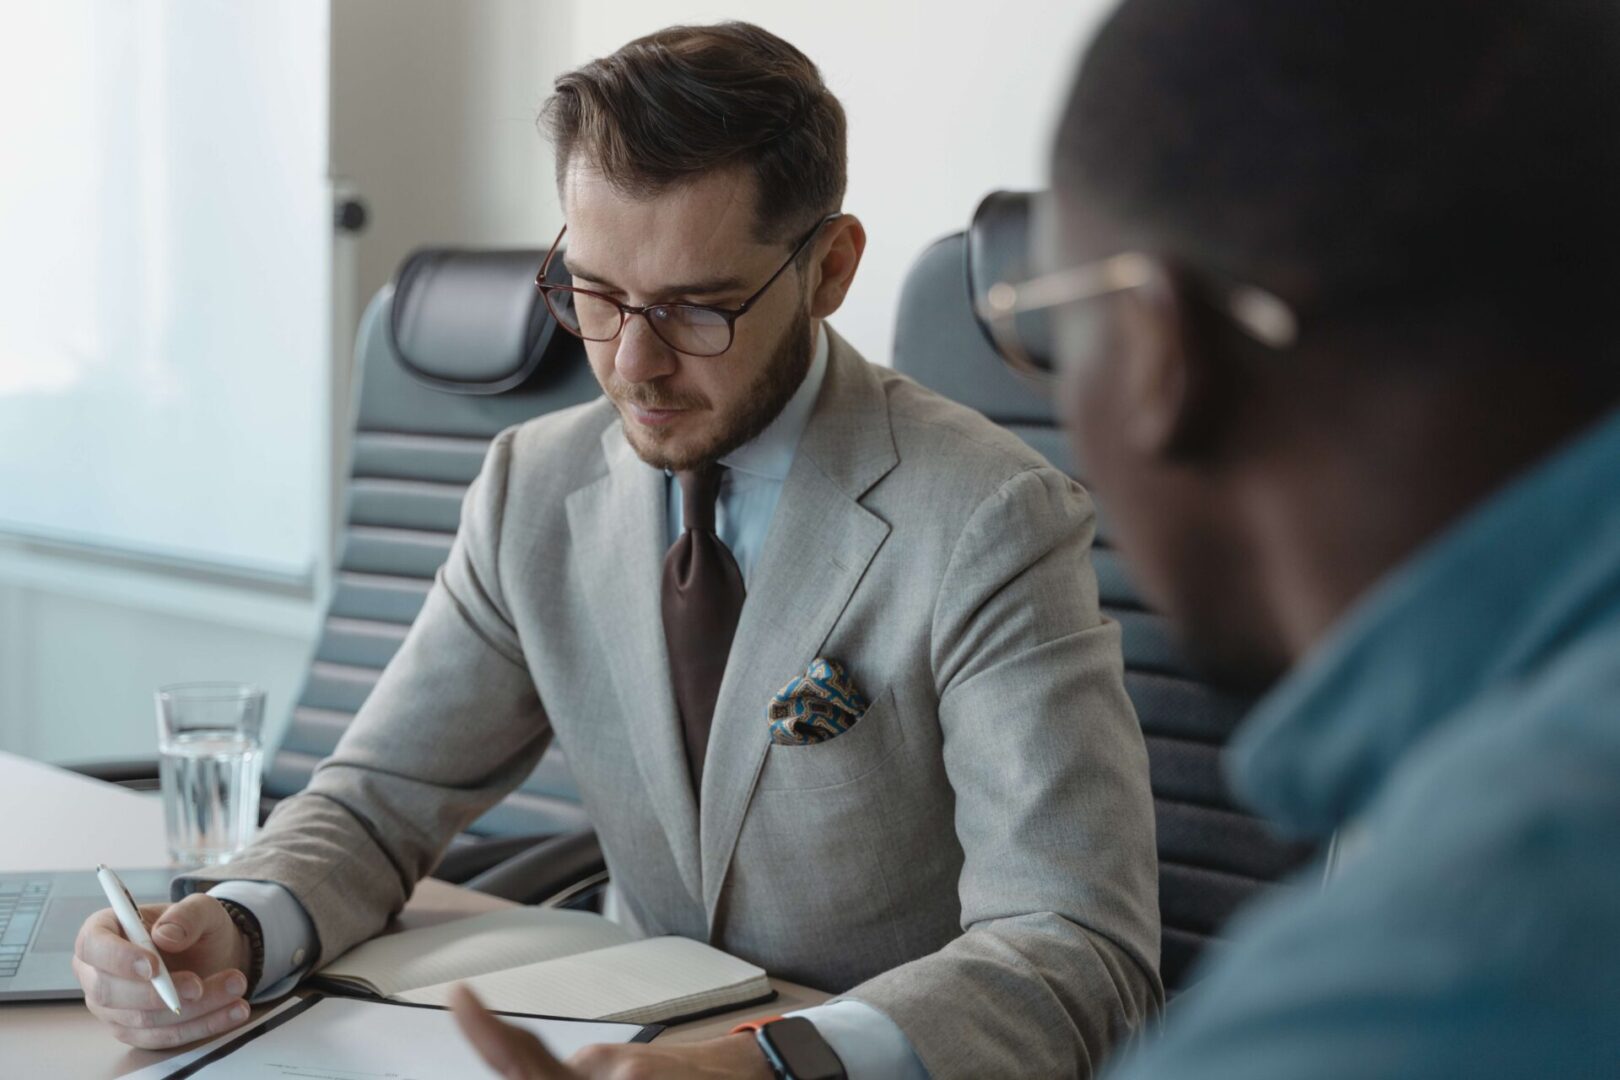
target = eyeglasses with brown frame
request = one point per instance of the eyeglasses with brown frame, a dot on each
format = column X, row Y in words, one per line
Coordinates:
column 702, row 330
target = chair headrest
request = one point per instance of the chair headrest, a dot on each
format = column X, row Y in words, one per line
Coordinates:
column 938, row 338
column 998, row 246
column 470, row 322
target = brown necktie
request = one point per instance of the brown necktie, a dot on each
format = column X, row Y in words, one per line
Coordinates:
column 703, row 597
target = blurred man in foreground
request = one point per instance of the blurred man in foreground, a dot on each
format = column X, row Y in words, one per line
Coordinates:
column 1330, row 291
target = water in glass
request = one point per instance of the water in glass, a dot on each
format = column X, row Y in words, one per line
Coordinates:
column 210, row 795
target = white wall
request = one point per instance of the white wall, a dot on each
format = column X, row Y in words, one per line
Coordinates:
column 433, row 111
column 946, row 101
column 84, row 641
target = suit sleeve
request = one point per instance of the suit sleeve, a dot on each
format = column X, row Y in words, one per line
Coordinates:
column 1059, row 889
column 452, row 726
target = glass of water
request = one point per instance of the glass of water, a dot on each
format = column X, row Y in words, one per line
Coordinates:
column 208, row 746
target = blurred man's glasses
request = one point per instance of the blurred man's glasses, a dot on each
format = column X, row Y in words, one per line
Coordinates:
column 691, row 329
column 1016, row 313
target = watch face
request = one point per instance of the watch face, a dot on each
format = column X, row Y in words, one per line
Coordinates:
column 802, row 1051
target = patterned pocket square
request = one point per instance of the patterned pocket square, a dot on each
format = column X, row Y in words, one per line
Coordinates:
column 819, row 705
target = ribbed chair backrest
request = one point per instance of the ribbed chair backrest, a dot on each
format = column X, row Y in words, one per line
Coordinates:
column 1213, row 855
column 458, row 348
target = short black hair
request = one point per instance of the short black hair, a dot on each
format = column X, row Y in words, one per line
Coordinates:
column 1363, row 155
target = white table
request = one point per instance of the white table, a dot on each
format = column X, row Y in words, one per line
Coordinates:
column 58, row 820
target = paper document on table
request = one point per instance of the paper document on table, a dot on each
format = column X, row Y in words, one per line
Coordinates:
column 334, row 1038
column 166, row 1068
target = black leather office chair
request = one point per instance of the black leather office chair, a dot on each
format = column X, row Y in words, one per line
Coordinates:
column 459, row 347
column 1213, row 856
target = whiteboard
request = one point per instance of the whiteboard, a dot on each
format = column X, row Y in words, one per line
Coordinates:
column 165, row 227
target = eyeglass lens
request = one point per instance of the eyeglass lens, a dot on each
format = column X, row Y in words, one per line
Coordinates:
column 686, row 328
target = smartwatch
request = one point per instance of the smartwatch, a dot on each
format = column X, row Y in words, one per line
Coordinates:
column 794, row 1048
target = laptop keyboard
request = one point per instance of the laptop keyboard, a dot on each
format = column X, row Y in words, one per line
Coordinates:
column 21, row 904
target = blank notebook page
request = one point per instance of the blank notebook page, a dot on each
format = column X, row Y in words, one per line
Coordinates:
column 467, row 947
column 644, row 981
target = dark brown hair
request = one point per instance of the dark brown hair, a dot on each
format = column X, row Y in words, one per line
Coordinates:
column 687, row 100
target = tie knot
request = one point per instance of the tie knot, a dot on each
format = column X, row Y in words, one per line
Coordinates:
column 700, row 489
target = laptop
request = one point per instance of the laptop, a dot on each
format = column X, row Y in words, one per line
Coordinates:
column 40, row 916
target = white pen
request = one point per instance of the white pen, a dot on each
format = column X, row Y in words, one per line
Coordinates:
column 129, row 917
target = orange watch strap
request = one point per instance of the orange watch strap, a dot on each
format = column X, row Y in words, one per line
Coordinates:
column 754, row 1025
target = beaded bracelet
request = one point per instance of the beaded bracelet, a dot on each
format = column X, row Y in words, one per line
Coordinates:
column 248, row 924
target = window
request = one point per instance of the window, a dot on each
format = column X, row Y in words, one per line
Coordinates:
column 165, row 248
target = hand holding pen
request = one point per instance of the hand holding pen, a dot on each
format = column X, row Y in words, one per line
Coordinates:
column 193, row 946
column 129, row 920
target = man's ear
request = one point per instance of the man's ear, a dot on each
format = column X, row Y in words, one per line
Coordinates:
column 837, row 255
column 1175, row 380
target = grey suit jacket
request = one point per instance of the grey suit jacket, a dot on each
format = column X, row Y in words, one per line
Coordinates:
column 974, row 858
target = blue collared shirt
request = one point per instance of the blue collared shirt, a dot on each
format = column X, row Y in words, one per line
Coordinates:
column 868, row 1042
column 1460, row 727
column 754, row 472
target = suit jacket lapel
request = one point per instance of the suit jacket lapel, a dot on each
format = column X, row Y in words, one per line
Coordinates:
column 820, row 542
column 619, row 535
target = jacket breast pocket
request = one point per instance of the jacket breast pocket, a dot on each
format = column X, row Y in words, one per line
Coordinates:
column 866, row 745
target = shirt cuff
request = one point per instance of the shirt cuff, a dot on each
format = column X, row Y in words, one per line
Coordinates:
column 289, row 936
column 870, row 1045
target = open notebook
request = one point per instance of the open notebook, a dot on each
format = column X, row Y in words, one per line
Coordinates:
column 554, row 963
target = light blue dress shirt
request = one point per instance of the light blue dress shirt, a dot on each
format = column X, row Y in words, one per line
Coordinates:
column 754, row 472
column 868, row 1042
column 1461, row 727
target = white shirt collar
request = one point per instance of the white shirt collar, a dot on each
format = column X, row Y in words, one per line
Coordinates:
column 770, row 453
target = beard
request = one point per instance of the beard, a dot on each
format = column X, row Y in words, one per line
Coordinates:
column 765, row 398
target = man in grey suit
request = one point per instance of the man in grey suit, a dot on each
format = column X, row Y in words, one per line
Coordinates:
column 823, row 648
